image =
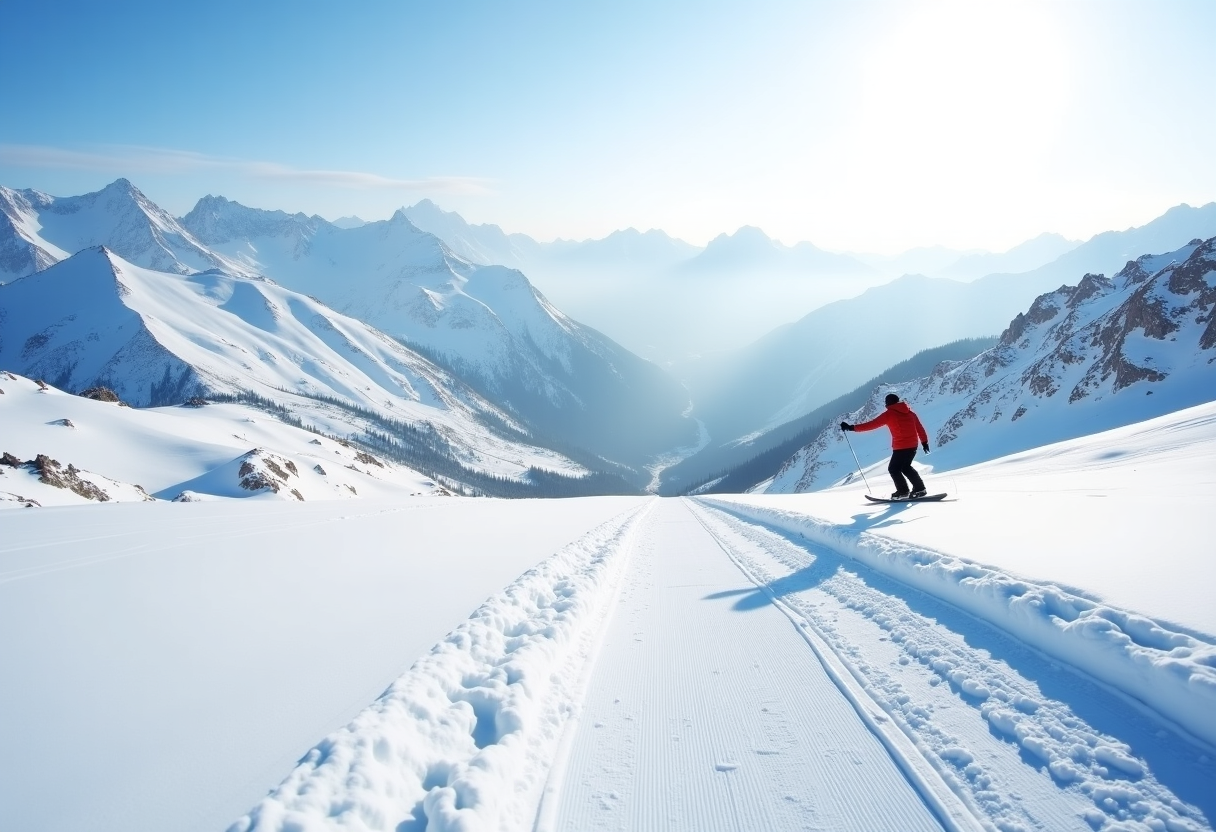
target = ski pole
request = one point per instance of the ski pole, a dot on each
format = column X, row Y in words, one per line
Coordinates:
column 855, row 459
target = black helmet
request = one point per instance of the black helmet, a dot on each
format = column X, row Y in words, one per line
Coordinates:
column 892, row 398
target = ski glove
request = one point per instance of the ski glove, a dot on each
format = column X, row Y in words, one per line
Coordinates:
column 925, row 445
column 846, row 426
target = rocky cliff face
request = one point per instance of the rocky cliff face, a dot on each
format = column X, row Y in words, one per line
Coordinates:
column 1089, row 357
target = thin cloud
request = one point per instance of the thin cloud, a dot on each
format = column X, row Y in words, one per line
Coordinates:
column 129, row 160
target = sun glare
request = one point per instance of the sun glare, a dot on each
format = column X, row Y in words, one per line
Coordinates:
column 956, row 101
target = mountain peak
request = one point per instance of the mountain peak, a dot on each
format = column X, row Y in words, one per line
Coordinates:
column 745, row 234
column 123, row 187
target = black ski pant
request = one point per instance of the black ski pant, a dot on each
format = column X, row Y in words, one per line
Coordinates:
column 901, row 468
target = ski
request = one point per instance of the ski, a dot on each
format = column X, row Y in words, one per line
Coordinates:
column 932, row 498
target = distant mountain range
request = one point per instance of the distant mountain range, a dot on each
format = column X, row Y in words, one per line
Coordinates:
column 1098, row 354
column 670, row 301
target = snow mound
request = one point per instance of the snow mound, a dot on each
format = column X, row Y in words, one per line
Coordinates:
column 1174, row 673
column 462, row 740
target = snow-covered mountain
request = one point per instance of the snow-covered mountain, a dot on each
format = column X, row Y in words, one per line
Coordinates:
column 487, row 323
column 157, row 338
column 1097, row 355
column 486, row 245
column 37, row 229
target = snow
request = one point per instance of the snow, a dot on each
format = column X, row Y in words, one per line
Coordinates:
column 462, row 740
column 1018, row 738
column 118, row 216
column 168, row 450
column 165, row 664
column 723, row 715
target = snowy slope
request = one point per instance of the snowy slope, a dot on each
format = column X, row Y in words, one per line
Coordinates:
column 216, row 451
column 1085, row 358
column 37, row 229
column 158, row 338
column 488, row 323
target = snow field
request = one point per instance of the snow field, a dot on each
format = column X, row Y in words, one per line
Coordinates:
column 1172, row 672
column 162, row 665
column 1024, row 743
column 463, row 740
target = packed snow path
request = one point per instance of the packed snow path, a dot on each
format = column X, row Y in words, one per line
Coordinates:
column 701, row 717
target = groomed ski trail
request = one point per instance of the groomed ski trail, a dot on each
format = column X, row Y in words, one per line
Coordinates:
column 1026, row 743
column 703, row 717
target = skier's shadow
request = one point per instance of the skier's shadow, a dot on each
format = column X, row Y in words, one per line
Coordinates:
column 754, row 598
column 876, row 518
column 825, row 564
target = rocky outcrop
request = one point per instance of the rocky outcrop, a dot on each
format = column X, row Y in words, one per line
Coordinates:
column 261, row 470
column 101, row 394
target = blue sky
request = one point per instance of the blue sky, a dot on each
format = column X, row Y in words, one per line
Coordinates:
column 866, row 126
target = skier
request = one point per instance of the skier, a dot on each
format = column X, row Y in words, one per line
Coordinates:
column 906, row 430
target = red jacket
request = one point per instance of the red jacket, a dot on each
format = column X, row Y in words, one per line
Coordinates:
column 906, row 429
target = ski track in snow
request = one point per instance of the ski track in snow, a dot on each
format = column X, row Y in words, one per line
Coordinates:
column 1027, row 744
column 704, row 719
column 464, row 739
